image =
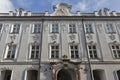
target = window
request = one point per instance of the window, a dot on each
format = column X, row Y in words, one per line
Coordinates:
column 110, row 28
column 74, row 51
column 16, row 28
column 37, row 28
column 55, row 28
column 116, row 51
column 32, row 75
column 72, row 28
column 11, row 50
column 0, row 27
column 54, row 51
column 118, row 75
column 89, row 28
column 35, row 50
column 92, row 51
column 99, row 74
column 6, row 75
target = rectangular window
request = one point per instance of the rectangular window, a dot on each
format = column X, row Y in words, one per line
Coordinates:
column 72, row 28
column 35, row 50
column 92, row 51
column 110, row 28
column 89, row 28
column 1, row 27
column 54, row 51
column 37, row 28
column 11, row 50
column 74, row 51
column 16, row 28
column 55, row 28
column 116, row 51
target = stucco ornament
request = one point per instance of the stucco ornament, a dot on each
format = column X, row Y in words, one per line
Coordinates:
column 72, row 37
column 54, row 37
column 62, row 9
column 112, row 37
column 89, row 37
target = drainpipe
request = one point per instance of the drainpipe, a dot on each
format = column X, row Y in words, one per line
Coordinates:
column 89, row 63
column 40, row 48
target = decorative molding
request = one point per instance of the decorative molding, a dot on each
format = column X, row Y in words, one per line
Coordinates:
column 36, row 37
column 112, row 37
column 72, row 37
column 12, row 37
column 54, row 37
column 89, row 37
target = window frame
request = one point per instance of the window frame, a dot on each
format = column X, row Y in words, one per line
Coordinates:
column 110, row 29
column 50, row 51
column 7, row 50
column 74, row 51
column 16, row 29
column 92, row 50
column 38, row 28
column 30, row 51
column 56, row 28
column 73, row 28
column 117, row 55
column 89, row 29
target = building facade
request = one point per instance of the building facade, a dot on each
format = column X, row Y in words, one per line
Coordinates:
column 60, row 45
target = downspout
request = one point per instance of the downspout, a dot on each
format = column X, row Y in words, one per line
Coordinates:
column 89, row 63
column 40, row 49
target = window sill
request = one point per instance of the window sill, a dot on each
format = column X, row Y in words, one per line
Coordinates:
column 54, row 32
column 89, row 32
column 72, row 32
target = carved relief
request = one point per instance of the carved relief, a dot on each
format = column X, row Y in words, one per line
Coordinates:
column 36, row 37
column 54, row 37
column 89, row 37
column 72, row 37
column 13, row 37
column 62, row 9
column 112, row 37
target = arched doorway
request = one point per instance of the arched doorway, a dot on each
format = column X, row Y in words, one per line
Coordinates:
column 64, row 74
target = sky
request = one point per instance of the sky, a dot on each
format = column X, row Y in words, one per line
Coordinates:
column 47, row 5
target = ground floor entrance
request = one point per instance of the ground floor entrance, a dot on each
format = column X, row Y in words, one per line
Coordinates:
column 64, row 74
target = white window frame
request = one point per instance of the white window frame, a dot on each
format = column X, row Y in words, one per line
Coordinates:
column 92, row 51
column 7, row 49
column 72, row 28
column 50, row 51
column 39, row 27
column 115, row 51
column 55, row 28
column 110, row 28
column 89, row 28
column 75, row 57
column 16, row 29
column 30, row 53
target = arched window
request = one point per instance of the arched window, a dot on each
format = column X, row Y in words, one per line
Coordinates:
column 6, row 75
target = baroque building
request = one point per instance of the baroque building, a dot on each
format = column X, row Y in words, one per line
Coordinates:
column 60, row 45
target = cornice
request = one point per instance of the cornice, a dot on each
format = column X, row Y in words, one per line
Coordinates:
column 39, row 18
